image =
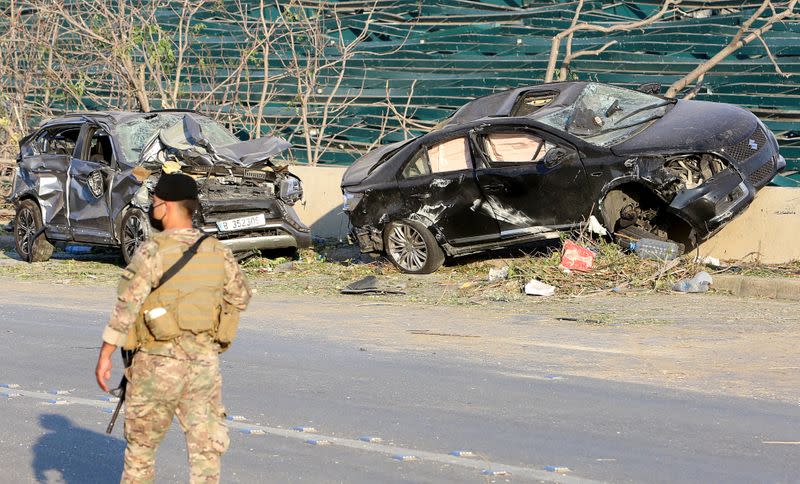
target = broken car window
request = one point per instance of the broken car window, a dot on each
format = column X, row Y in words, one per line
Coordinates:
column 514, row 147
column 135, row 134
column 54, row 141
column 607, row 115
column 532, row 102
column 100, row 149
column 418, row 166
column 450, row 155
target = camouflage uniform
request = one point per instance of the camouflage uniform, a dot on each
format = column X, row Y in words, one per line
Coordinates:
column 180, row 378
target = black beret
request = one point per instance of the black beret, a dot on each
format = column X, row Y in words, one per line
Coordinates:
column 173, row 187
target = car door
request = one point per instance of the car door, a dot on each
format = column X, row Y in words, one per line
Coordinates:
column 439, row 190
column 533, row 182
column 91, row 173
column 45, row 159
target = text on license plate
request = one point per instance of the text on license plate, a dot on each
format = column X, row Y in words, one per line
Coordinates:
column 241, row 223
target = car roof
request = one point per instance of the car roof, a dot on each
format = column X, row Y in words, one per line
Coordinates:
column 500, row 104
column 114, row 117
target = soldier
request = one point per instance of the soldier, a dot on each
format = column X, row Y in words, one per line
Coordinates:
column 178, row 328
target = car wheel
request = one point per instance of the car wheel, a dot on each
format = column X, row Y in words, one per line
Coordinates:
column 412, row 248
column 135, row 229
column 28, row 223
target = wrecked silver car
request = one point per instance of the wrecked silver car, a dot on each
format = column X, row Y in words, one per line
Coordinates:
column 521, row 165
column 86, row 178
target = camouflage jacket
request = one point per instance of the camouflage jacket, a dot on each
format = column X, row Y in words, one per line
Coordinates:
column 143, row 274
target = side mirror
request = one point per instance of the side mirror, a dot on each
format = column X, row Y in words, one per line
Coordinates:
column 555, row 157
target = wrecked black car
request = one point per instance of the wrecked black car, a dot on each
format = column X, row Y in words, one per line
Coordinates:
column 521, row 165
column 86, row 178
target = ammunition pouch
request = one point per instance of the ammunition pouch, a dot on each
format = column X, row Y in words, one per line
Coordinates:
column 225, row 331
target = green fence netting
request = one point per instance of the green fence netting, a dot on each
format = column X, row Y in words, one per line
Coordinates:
column 418, row 61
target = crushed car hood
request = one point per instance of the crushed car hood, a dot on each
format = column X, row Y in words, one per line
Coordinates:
column 690, row 127
column 187, row 138
column 362, row 167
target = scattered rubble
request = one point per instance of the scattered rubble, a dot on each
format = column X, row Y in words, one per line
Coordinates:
column 284, row 267
column 372, row 285
column 539, row 288
column 498, row 274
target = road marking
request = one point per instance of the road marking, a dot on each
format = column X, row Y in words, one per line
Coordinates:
column 390, row 450
column 463, row 453
column 318, row 442
column 405, row 457
column 778, row 442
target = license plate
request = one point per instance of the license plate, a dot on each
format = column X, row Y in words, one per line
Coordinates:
column 241, row 223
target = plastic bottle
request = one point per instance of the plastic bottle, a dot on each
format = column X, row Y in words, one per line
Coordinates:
column 698, row 283
column 656, row 249
column 78, row 249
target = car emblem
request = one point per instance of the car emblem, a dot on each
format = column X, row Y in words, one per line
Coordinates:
column 753, row 145
column 96, row 183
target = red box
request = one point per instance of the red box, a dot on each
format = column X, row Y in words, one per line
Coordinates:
column 577, row 258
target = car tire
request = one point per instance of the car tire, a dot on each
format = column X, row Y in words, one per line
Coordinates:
column 27, row 223
column 412, row 248
column 134, row 229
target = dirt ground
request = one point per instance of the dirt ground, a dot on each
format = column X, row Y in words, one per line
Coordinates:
column 709, row 343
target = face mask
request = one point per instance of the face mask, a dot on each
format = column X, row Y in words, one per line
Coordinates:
column 154, row 222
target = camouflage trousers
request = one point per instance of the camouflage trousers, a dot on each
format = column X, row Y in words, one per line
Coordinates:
column 161, row 388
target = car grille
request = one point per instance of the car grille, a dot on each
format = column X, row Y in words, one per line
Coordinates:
column 743, row 150
column 763, row 174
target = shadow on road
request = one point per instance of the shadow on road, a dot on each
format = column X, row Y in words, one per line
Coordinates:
column 74, row 455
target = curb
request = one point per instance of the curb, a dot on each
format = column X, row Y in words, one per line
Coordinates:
column 763, row 287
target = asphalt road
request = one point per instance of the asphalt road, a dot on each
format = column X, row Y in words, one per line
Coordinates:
column 425, row 404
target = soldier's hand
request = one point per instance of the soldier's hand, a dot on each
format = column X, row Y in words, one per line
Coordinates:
column 103, row 370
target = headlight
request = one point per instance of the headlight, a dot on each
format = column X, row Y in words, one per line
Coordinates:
column 291, row 189
column 351, row 200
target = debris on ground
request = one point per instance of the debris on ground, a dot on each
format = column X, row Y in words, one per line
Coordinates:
column 708, row 261
column 498, row 274
column 284, row 267
column 656, row 249
column 539, row 288
column 372, row 285
column 576, row 257
column 596, row 227
column 699, row 283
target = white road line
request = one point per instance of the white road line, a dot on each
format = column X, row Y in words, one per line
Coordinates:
column 390, row 450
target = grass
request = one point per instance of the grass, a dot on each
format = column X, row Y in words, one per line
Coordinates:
column 324, row 269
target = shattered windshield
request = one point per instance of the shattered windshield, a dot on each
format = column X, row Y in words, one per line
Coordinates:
column 606, row 115
column 134, row 135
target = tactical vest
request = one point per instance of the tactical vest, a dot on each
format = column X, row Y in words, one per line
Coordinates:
column 190, row 301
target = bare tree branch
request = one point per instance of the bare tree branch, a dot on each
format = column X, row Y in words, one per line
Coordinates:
column 736, row 43
column 627, row 26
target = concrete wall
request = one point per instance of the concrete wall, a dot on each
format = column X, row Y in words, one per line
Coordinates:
column 767, row 231
column 321, row 207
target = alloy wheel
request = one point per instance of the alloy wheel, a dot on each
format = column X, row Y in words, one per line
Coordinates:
column 26, row 229
column 133, row 234
column 407, row 247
